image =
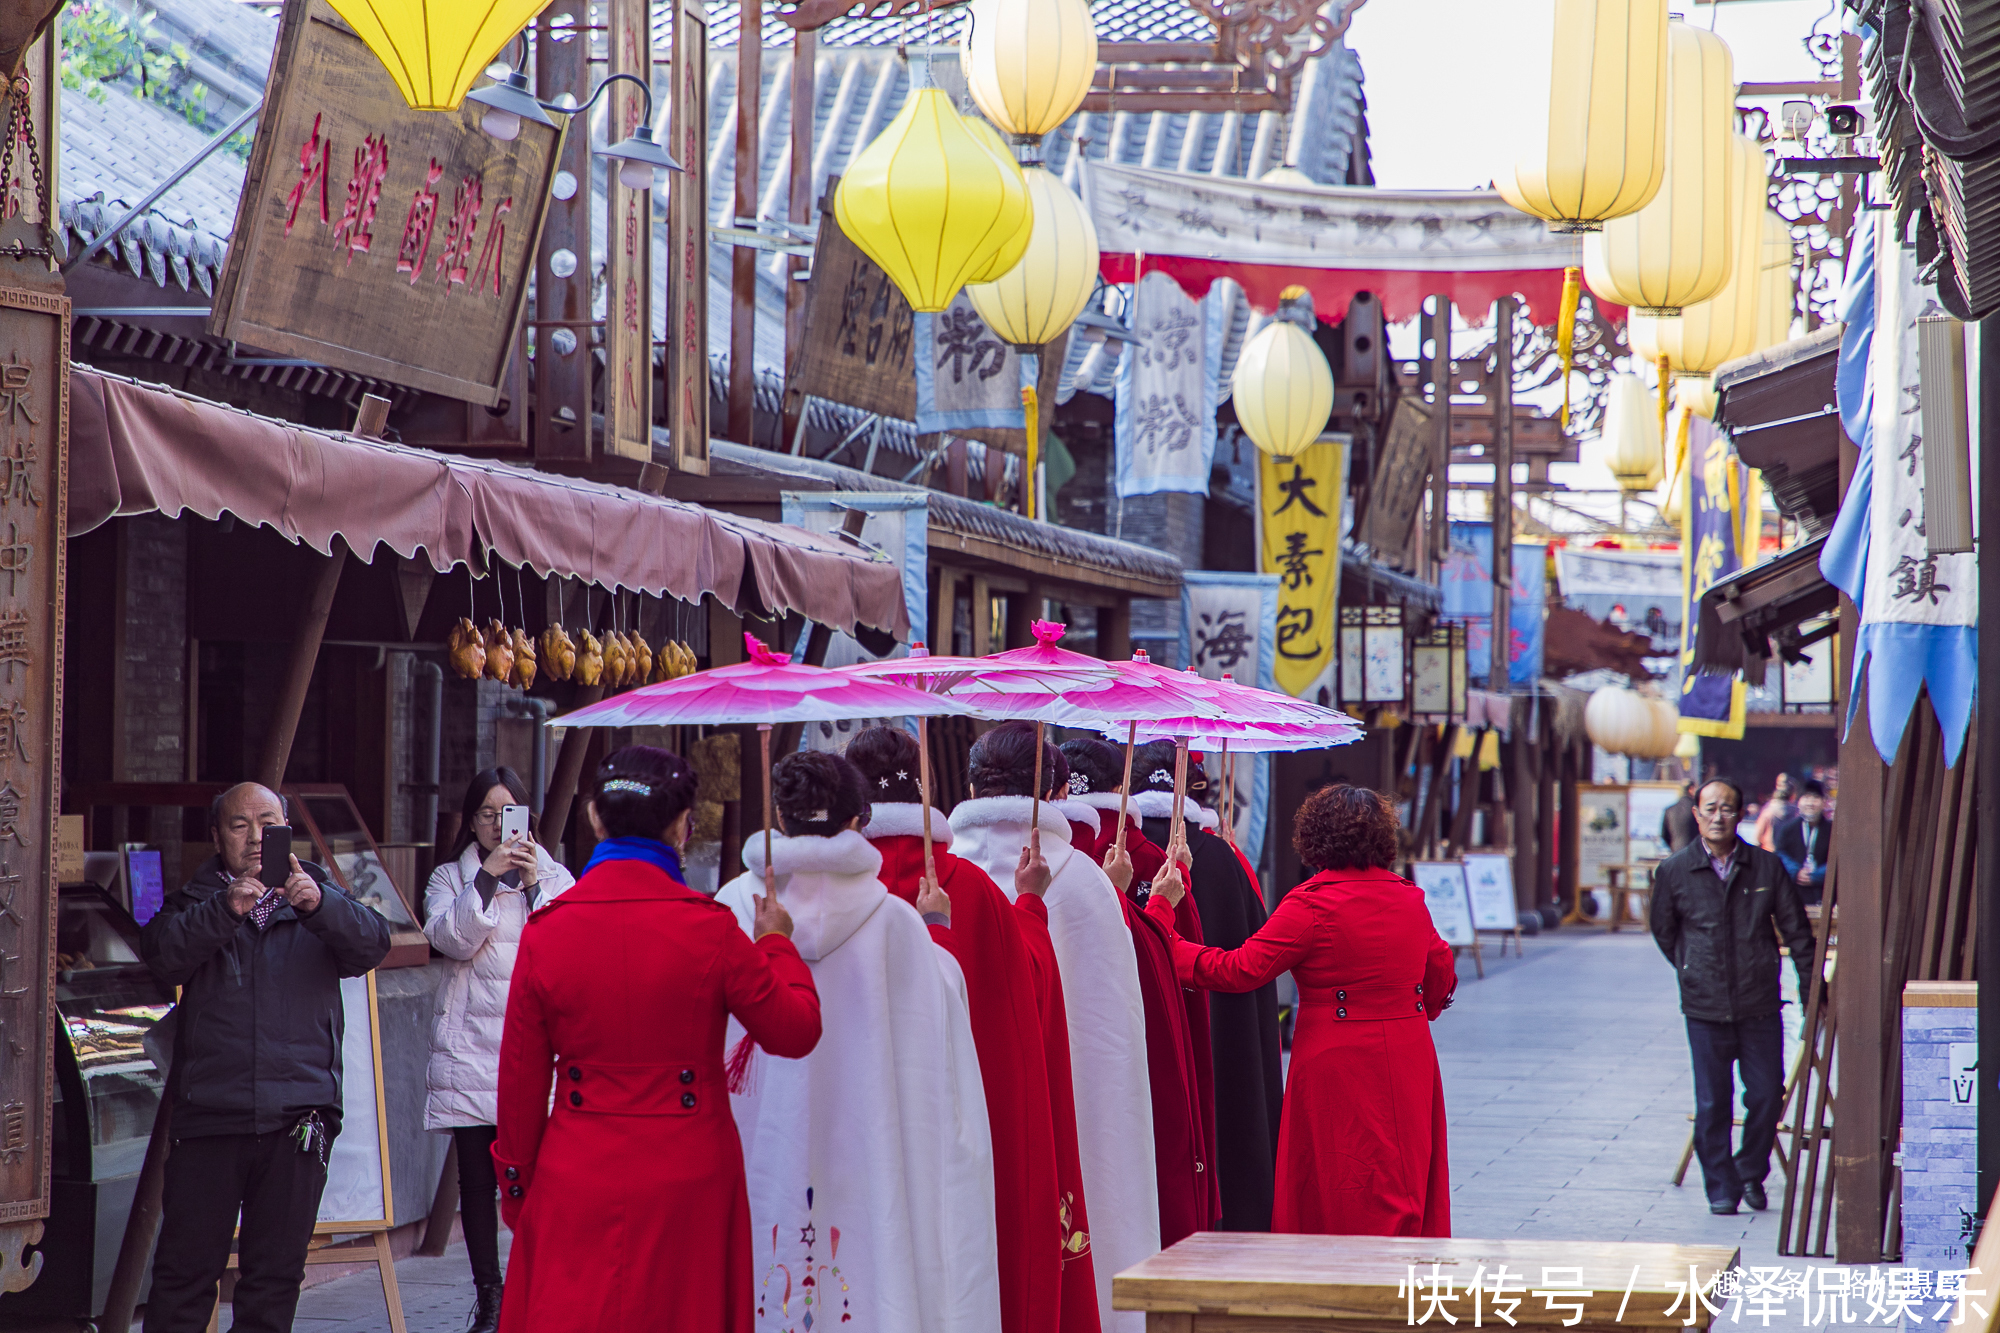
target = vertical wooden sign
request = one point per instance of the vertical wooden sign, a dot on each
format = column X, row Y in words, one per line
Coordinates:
column 628, row 268
column 687, row 244
column 34, row 482
column 563, row 269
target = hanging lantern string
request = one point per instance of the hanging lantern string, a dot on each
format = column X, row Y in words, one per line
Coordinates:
column 1031, row 367
column 471, row 596
column 1565, row 330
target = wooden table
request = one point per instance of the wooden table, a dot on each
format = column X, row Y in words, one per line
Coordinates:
column 1234, row 1282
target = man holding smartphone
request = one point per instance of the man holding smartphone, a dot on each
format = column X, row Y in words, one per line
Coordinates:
column 259, row 951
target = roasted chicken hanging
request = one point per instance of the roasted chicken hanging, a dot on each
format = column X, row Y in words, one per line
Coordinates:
column 524, row 660
column 466, row 649
column 642, row 659
column 558, row 655
column 499, row 651
column 589, row 660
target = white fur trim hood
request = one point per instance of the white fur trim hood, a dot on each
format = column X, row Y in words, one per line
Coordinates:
column 831, row 886
column 989, row 811
column 1160, row 805
column 1078, row 812
column 905, row 819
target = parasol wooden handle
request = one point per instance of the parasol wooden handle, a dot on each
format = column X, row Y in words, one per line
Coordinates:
column 924, row 783
column 1125, row 791
column 1035, row 815
column 764, row 739
column 1179, row 825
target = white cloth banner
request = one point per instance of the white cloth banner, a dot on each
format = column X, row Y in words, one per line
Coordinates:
column 1168, row 384
column 966, row 377
column 1229, row 626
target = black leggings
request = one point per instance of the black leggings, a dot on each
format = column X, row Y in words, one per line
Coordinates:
column 479, row 1201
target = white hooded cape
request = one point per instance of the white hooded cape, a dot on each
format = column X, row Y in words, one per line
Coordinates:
column 1107, row 1032
column 883, row 1127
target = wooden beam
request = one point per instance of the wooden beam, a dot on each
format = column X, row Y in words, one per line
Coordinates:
column 299, row 672
column 1114, row 631
column 743, row 259
column 1500, row 660
column 805, row 51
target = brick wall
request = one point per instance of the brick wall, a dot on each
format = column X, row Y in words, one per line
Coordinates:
column 1940, row 1134
column 152, row 674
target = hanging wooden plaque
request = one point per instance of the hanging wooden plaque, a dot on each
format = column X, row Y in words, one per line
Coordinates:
column 687, row 244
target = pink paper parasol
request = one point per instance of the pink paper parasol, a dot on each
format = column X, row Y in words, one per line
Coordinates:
column 768, row 689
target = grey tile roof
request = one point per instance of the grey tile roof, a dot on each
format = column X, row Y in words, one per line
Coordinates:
column 1117, row 21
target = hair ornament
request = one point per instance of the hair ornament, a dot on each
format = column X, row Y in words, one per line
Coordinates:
column 1161, row 775
column 632, row 785
column 816, row 817
column 1079, row 784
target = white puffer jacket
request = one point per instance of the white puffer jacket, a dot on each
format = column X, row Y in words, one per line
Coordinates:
column 463, row 1077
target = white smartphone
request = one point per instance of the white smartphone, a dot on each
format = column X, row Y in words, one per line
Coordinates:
column 514, row 823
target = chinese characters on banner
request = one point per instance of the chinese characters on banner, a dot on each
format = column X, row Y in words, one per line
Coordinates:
column 1229, row 626
column 34, row 417
column 1711, row 701
column 628, row 260
column 687, row 244
column 377, row 239
column 1300, row 502
column 1168, row 385
column 966, row 377
column 1467, row 579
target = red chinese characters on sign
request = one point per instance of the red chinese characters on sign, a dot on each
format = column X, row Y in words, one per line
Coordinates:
column 364, row 193
column 456, row 261
column 418, row 225
column 489, row 254
column 315, row 155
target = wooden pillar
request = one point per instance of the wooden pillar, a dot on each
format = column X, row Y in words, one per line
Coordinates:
column 982, row 616
column 805, row 52
column 1114, row 631
column 1547, row 764
column 299, row 671
column 567, row 772
column 743, row 259
column 1570, row 827
column 561, row 427
column 1440, row 530
column 1986, row 779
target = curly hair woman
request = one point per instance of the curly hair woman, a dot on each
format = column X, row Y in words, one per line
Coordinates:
column 1361, row 1148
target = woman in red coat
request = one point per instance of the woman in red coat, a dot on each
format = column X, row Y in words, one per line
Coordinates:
column 1035, row 1164
column 1361, row 1148
column 627, row 1199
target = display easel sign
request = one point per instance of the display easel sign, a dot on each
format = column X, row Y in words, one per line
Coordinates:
column 1443, row 883
column 1646, row 804
column 1603, row 834
column 1489, row 886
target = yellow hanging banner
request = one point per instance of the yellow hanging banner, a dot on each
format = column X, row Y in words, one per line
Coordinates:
column 1299, row 511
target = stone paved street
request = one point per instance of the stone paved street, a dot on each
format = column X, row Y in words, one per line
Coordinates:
column 1568, row 1091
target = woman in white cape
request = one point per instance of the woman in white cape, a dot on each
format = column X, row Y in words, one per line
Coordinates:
column 1100, row 980
column 869, row 1162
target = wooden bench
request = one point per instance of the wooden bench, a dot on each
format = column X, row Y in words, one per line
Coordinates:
column 1235, row 1282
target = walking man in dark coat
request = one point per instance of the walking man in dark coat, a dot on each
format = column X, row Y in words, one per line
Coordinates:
column 1719, row 908
column 259, row 952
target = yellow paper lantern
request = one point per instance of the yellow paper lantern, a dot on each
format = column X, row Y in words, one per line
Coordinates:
column 1282, row 388
column 436, row 49
column 1042, row 295
column 1009, row 254
column 1677, row 250
column 1029, row 63
column 1725, row 326
column 1619, row 720
column 929, row 203
column 1631, row 435
column 1594, row 123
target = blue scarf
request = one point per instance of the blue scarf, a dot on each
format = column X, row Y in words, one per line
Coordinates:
column 650, row 850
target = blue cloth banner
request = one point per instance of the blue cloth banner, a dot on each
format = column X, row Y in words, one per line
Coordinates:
column 897, row 527
column 1712, row 702
column 1229, row 626
column 966, row 377
column 1168, row 386
column 1844, row 558
column 1467, row 582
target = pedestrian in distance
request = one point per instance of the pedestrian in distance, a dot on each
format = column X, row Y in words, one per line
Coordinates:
column 1677, row 826
column 1361, row 1142
column 258, row 952
column 1805, row 841
column 1720, row 906
column 621, row 1170
column 1782, row 806
column 475, row 908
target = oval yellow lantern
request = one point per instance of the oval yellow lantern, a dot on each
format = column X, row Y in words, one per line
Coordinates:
column 1033, row 302
column 1009, row 254
column 1631, row 436
column 1282, row 388
column 929, row 203
column 1594, row 124
column 1725, row 326
column 1677, row 249
column 1029, row 63
column 435, row 50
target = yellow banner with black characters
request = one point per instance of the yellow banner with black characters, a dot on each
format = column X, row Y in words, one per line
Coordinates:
column 1299, row 502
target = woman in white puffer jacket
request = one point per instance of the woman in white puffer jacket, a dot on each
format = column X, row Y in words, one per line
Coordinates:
column 476, row 903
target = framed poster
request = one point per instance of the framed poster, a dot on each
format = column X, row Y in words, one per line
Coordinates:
column 1646, row 806
column 1489, row 886
column 1443, row 883
column 357, row 1195
column 1603, row 835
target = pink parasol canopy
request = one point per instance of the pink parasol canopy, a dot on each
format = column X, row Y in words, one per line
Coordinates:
column 768, row 689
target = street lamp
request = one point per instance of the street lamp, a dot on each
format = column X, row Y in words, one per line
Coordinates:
column 509, row 104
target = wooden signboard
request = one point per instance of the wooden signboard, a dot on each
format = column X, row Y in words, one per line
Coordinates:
column 1443, row 883
column 860, row 344
column 34, row 486
column 687, row 244
column 36, row 161
column 1489, row 884
column 377, row 239
column 628, row 257
column 1603, row 837
column 1397, row 492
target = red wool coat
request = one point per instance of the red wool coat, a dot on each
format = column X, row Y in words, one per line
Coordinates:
column 1361, row 1149
column 985, row 936
column 627, row 1200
